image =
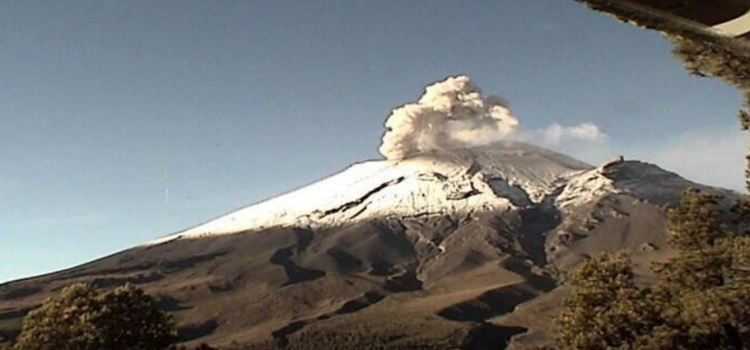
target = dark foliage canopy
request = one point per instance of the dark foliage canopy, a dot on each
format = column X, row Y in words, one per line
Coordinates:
column 701, row 300
column 83, row 319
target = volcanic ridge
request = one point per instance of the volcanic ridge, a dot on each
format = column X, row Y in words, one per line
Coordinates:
column 457, row 240
column 436, row 251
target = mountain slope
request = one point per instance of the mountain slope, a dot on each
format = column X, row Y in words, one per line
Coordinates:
column 454, row 182
column 446, row 250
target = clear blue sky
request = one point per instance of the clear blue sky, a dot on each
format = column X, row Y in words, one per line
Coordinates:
column 105, row 104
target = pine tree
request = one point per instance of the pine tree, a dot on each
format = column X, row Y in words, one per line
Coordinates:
column 83, row 319
column 704, row 292
column 705, row 288
column 701, row 300
column 605, row 310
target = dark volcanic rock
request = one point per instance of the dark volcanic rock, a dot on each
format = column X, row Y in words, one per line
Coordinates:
column 392, row 258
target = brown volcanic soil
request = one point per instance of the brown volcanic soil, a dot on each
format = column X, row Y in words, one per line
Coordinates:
column 352, row 285
column 381, row 284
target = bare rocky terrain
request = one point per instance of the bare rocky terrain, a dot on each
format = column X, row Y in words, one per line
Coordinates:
column 442, row 251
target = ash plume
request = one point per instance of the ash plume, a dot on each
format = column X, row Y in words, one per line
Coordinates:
column 451, row 114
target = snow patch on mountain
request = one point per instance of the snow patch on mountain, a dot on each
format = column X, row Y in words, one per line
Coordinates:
column 498, row 177
column 495, row 177
column 587, row 186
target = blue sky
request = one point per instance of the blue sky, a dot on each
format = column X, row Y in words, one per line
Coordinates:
column 104, row 105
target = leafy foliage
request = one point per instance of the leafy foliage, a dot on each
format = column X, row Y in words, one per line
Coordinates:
column 704, row 294
column 83, row 319
column 605, row 310
column 702, row 299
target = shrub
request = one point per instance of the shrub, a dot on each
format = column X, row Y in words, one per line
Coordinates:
column 83, row 319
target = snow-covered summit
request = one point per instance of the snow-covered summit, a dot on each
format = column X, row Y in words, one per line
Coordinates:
column 500, row 176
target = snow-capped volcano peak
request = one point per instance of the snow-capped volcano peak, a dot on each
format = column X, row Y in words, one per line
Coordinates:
column 494, row 177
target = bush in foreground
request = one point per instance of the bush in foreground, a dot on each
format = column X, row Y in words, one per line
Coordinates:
column 83, row 319
column 701, row 300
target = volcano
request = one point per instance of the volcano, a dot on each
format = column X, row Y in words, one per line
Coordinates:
column 459, row 249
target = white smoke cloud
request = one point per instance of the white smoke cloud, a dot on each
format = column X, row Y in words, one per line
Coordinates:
column 454, row 113
column 556, row 134
column 451, row 114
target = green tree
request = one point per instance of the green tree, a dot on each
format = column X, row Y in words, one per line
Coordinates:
column 701, row 299
column 705, row 289
column 605, row 310
column 698, row 235
column 83, row 319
